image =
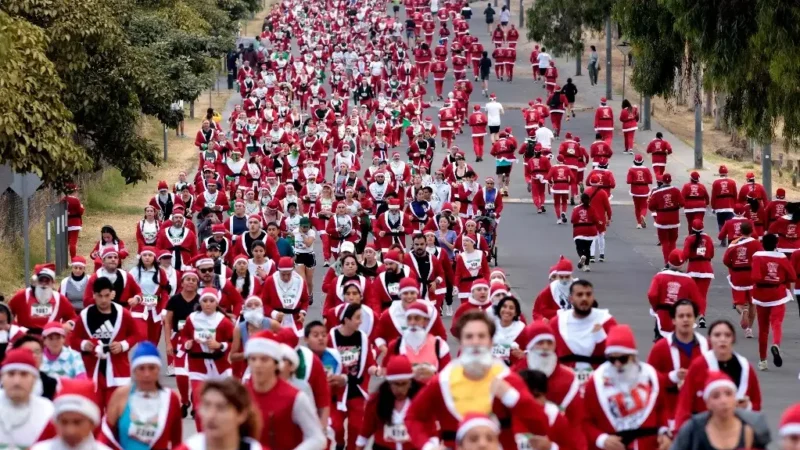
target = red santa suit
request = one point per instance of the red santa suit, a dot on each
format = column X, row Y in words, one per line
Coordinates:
column 639, row 179
column 22, row 427
column 447, row 118
column 666, row 288
column 435, row 274
column 469, row 194
column 604, row 121
column 218, row 199
column 577, row 345
column 478, row 121
column 698, row 249
column 666, row 202
column 536, row 171
column 469, row 268
column 290, row 298
column 786, row 229
column 30, row 313
column 182, row 245
column 75, row 212
column 738, row 258
column 166, row 431
column 125, row 287
column 629, row 117
column 723, row 193
column 753, row 190
column 392, row 323
column 560, row 179
column 696, row 198
column 659, row 149
column 773, row 276
column 388, row 231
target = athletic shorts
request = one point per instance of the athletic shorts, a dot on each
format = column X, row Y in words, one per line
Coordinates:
column 503, row 170
column 542, row 71
column 494, row 129
column 307, row 259
column 484, row 76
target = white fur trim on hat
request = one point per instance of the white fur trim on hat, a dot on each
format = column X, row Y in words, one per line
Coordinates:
column 22, row 367
column 399, row 377
column 261, row 346
column 78, row 404
column 478, row 285
column 717, row 384
column 790, row 429
column 290, row 354
column 213, row 295
column 621, row 350
column 204, row 261
column 47, row 272
column 416, row 312
column 540, row 338
column 187, row 274
column 141, row 360
column 469, row 425
column 409, row 289
column 77, row 264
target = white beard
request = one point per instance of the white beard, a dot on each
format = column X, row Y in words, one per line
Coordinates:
column 545, row 362
column 476, row 360
column 163, row 197
column 415, row 337
column 625, row 379
column 43, row 294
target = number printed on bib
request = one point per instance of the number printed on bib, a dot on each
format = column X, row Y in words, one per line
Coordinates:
column 501, row 351
column 395, row 433
column 41, row 310
column 150, row 300
column 143, row 431
column 204, row 335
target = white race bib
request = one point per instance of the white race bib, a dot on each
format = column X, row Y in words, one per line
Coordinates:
column 181, row 324
column 38, row 310
column 583, row 374
column 350, row 357
column 701, row 251
column 502, row 351
column 523, row 443
column 150, row 301
column 393, row 288
column 143, row 431
column 490, row 205
column 395, row 433
column 201, row 335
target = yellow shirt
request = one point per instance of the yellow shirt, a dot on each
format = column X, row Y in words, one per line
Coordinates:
column 473, row 396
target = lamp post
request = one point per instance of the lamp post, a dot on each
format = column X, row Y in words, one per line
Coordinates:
column 625, row 48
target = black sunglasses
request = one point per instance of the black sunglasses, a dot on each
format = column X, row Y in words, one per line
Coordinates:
column 623, row 359
column 211, row 269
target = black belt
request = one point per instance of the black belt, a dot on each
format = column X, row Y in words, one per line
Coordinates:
column 673, row 389
column 768, row 285
column 741, row 269
column 628, row 436
column 668, row 209
column 699, row 258
column 594, row 360
column 206, row 355
column 73, row 217
column 448, row 435
column 470, row 278
column 663, row 308
column 288, row 310
column 386, row 305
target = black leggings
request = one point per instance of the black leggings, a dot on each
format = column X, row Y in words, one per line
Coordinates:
column 584, row 248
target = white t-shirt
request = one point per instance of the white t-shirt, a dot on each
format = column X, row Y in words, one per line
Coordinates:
column 544, row 60
column 376, row 68
column 493, row 111
column 299, row 245
column 545, row 137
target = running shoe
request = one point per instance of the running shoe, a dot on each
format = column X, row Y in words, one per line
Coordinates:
column 776, row 355
column 762, row 365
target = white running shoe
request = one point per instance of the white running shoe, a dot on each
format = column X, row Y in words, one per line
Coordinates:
column 748, row 333
column 762, row 365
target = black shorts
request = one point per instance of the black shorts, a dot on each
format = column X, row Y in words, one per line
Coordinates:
column 307, row 259
column 542, row 71
column 494, row 129
column 484, row 76
column 503, row 170
column 396, row 8
column 504, row 23
column 490, row 20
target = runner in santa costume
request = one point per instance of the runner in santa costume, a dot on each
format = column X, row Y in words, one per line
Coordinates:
column 75, row 212
column 76, row 415
column 392, row 226
column 738, row 258
column 789, row 428
column 285, row 296
column 777, row 207
column 555, row 296
column 143, row 414
column 625, row 398
column 207, row 337
column 672, row 356
column 178, row 239
column 563, row 386
column 478, row 300
column 659, row 149
column 666, row 203
column 385, row 411
column 560, row 435
column 230, row 300
column 752, row 189
column 26, row 417
column 427, row 269
column 154, row 285
column 787, row 229
column 358, row 365
column 474, row 383
column 392, row 322
column 385, row 288
column 721, row 337
column 639, row 178
column 126, row 290
column 352, row 294
column 696, row 197
column 581, row 331
column 471, row 264
column 669, row 286
column 282, row 406
column 773, row 276
column 428, row 353
column 604, row 121
column 34, row 307
column 104, row 335
column 698, row 249
column 177, row 311
column 559, row 179
column 236, row 422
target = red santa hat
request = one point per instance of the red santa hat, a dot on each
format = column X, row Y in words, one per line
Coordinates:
column 78, row 261
column 739, row 209
column 409, row 285
column 537, row 331
column 238, row 202
column 108, row 251
column 562, row 267
column 666, row 178
column 676, row 258
column 489, row 180
column 178, row 210
column 446, row 207
column 274, row 204
column 602, row 161
column 470, row 237
column 493, row 96
column 393, row 256
column 568, row 135
column 497, row 287
column 286, row 264
column 723, row 170
column 498, row 271
column 715, row 380
column 163, row 186
column 348, row 247
column 560, row 158
column 697, row 225
column 418, row 309
column 477, row 107
column 394, row 203
column 399, row 368
column 750, row 176
column 780, row 194
column 148, row 250
column 218, row 228
column 790, row 421
column 45, row 270
column 475, row 420
column 202, row 260
column 53, row 328
column 164, row 254
column 209, row 292
column 241, row 257
column 20, row 359
column 479, row 283
column 603, row 100
column 289, row 341
column 694, row 176
column 621, row 340
column 594, row 180
column 189, row 272
column 264, row 343
column 638, row 159
column 77, row 396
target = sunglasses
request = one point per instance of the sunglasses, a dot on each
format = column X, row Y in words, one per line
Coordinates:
column 210, row 269
column 622, row 359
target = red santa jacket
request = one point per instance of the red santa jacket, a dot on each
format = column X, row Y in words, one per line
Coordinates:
column 392, row 323
column 75, row 212
column 723, row 195
column 609, row 413
column 560, row 178
column 600, row 206
column 469, row 267
column 695, row 197
column 204, row 363
column 605, row 179
column 575, row 351
column 690, row 397
column 600, row 149
column 182, row 247
column 604, row 119
column 629, row 119
column 365, row 361
column 773, row 276
column 738, row 258
column 130, row 288
column 753, row 190
column 786, row 229
column 639, row 178
column 29, row 313
column 384, row 293
column 292, row 301
column 123, row 330
column 659, row 149
column 386, row 235
column 666, row 202
column 732, row 228
column 435, row 274
column 666, row 288
column 478, row 122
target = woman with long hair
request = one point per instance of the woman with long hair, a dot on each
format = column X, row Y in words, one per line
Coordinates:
column 471, row 264
column 108, row 238
column 143, row 415
column 230, row 418
column 243, row 280
column 629, row 117
column 788, row 241
column 385, row 410
column 352, row 293
column 344, row 270
column 153, row 281
column 722, row 357
column 698, row 249
column 259, row 265
column 507, row 313
column 147, row 229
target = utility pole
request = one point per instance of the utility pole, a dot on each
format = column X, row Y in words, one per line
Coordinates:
column 609, row 95
column 646, row 112
column 578, row 55
column 698, row 122
column 766, row 168
column 521, row 15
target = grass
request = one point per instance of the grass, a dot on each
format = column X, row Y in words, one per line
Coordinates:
column 109, row 201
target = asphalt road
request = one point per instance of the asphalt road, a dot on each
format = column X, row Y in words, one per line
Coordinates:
column 530, row 243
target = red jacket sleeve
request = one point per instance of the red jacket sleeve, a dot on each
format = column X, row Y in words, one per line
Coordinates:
column 422, row 413
column 369, row 424
column 318, row 380
column 691, row 385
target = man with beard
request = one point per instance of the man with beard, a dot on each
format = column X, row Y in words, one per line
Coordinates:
column 582, row 342
column 39, row 304
column 391, row 227
column 244, row 242
column 624, row 399
column 230, row 301
column 212, row 197
column 393, row 322
column 178, row 240
column 427, row 352
column 127, row 292
column 474, row 383
column 379, row 191
column 563, row 386
column 163, row 201
column 555, row 296
column 426, row 269
column 386, row 286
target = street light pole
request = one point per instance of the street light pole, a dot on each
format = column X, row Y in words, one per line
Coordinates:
column 609, row 95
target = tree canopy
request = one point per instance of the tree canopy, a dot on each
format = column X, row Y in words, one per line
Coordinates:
column 76, row 77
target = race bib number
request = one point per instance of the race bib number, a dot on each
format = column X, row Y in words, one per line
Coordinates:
column 583, row 375
column 701, row 251
column 143, row 431
column 502, row 351
column 523, row 441
column 395, row 433
column 150, row 301
column 181, row 324
column 202, row 335
column 350, row 357
column 288, row 300
column 41, row 310
column 490, row 205
column 393, row 288
column 279, row 170
column 449, row 123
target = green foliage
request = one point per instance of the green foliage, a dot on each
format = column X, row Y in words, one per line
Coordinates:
column 559, row 24
column 76, row 77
